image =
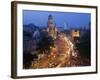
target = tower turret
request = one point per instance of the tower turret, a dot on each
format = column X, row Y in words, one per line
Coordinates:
column 50, row 21
column 52, row 31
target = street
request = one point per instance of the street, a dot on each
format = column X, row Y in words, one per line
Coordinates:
column 62, row 55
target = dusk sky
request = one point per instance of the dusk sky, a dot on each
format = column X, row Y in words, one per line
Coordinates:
column 62, row 19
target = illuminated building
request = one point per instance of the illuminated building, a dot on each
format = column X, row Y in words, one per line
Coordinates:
column 51, row 28
column 75, row 35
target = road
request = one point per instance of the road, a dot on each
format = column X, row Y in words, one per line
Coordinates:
column 62, row 55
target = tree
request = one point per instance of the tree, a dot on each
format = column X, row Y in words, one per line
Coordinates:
column 84, row 46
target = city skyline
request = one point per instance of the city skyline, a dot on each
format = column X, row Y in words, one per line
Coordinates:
column 61, row 19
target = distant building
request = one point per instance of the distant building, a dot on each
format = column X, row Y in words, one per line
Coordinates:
column 51, row 27
column 75, row 35
column 36, row 36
